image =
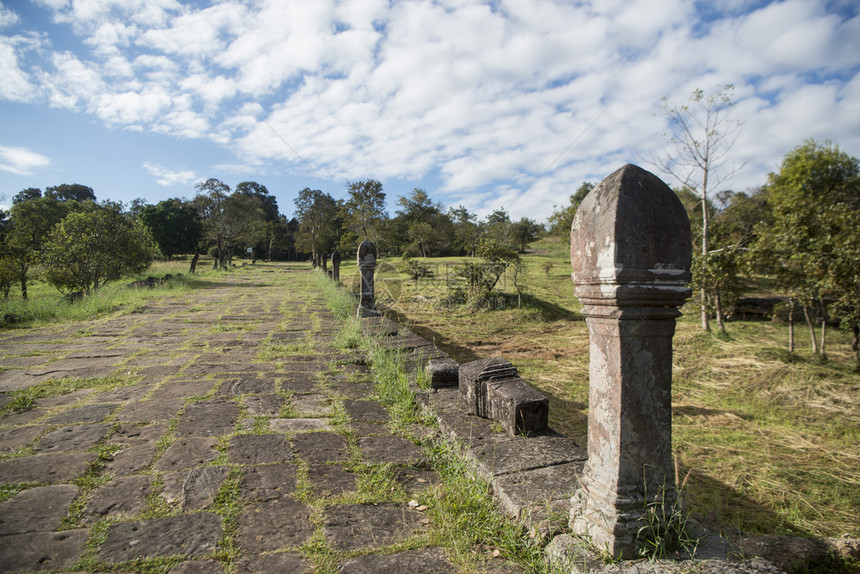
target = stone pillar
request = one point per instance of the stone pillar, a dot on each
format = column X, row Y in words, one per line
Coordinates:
column 335, row 266
column 630, row 250
column 324, row 260
column 367, row 255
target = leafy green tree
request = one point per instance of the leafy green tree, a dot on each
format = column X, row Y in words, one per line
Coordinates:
column 70, row 192
column 561, row 219
column 174, row 224
column 211, row 204
column 499, row 228
column 268, row 202
column 93, row 246
column 319, row 218
column 467, row 232
column 365, row 208
column 228, row 218
column 30, row 222
column 811, row 244
column 26, row 194
column 700, row 137
column 524, row 232
column 423, row 235
column 420, row 226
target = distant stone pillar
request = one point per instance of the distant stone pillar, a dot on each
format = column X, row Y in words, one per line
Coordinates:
column 324, row 261
column 630, row 250
column 335, row 266
column 367, row 255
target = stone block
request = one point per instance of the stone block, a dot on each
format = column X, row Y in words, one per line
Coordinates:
column 473, row 378
column 517, row 406
column 442, row 373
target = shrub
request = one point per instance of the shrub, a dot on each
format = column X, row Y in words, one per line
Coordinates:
column 91, row 247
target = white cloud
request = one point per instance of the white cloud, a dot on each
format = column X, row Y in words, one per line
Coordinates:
column 16, row 85
column 7, row 17
column 169, row 177
column 20, row 160
column 483, row 95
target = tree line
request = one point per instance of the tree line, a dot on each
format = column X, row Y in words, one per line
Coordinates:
column 80, row 243
column 801, row 228
column 420, row 226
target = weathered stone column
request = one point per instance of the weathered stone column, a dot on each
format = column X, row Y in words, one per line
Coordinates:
column 631, row 253
column 367, row 255
column 335, row 266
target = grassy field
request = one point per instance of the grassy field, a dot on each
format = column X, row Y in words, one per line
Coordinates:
column 45, row 305
column 770, row 438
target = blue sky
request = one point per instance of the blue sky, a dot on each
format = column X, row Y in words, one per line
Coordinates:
column 509, row 103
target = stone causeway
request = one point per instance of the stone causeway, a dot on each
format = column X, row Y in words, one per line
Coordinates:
column 138, row 470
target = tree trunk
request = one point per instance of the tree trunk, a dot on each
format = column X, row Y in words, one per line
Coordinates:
column 811, row 330
column 791, row 325
column 823, row 332
column 719, row 306
column 705, row 324
column 855, row 345
column 194, row 260
column 24, row 285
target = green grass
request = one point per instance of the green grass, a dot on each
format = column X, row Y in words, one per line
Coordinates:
column 464, row 516
column 25, row 398
column 46, row 306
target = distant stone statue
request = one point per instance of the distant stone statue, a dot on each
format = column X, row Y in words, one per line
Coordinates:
column 367, row 254
column 630, row 251
column 335, row 266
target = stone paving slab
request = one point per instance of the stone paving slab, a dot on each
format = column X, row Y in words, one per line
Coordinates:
column 198, row 567
column 201, row 485
column 14, row 438
column 37, row 551
column 130, row 460
column 149, row 410
column 275, row 524
column 208, row 418
column 268, row 482
column 287, row 562
column 390, row 449
column 424, row 561
column 321, row 447
column 264, row 405
column 73, row 438
column 86, row 414
column 36, row 509
column 331, row 479
column 46, row 468
column 354, row 526
column 300, row 425
column 185, row 453
column 259, row 449
column 183, row 535
column 122, row 497
column 366, row 411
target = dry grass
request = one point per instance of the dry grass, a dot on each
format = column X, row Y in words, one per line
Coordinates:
column 771, row 438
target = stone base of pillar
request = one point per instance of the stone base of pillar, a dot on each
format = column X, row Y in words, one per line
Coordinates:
column 612, row 521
